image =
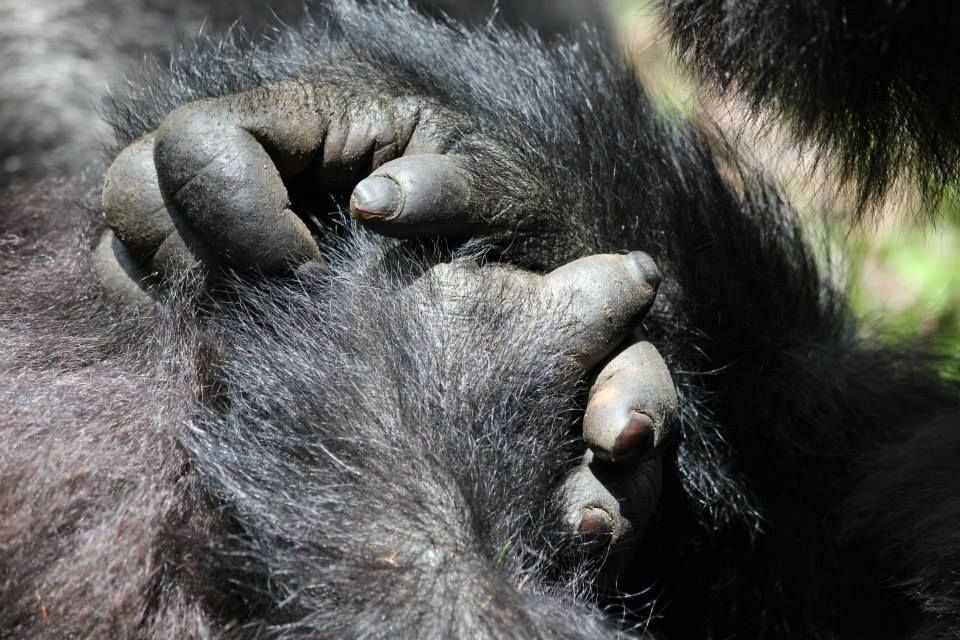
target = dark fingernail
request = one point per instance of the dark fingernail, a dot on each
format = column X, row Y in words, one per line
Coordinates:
column 643, row 268
column 637, row 438
column 375, row 198
column 596, row 525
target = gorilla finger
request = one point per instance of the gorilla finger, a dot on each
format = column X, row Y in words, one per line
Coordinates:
column 144, row 239
column 632, row 408
column 604, row 297
column 222, row 192
column 117, row 271
column 609, row 506
column 596, row 301
column 132, row 203
column 424, row 194
column 228, row 191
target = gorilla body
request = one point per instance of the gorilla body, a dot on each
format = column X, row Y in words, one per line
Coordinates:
column 340, row 455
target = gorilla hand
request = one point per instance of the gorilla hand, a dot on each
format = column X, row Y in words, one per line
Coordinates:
column 632, row 407
column 210, row 184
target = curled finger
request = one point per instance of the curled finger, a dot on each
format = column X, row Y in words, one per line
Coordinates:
column 632, row 408
column 609, row 506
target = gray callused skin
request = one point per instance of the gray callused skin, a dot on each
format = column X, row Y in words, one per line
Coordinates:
column 208, row 189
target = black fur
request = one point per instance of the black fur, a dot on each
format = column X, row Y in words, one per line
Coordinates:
column 334, row 457
column 454, row 532
column 876, row 82
column 62, row 55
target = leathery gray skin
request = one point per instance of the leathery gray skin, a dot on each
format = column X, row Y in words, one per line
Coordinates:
column 208, row 188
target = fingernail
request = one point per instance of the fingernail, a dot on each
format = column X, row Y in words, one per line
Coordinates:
column 643, row 268
column 596, row 525
column 636, row 438
column 375, row 198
